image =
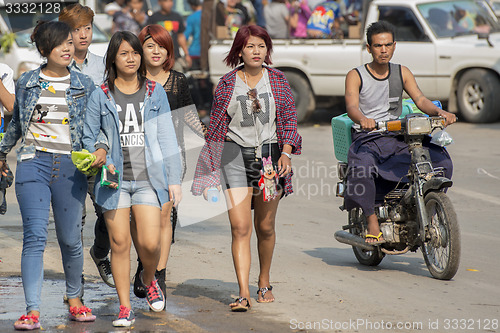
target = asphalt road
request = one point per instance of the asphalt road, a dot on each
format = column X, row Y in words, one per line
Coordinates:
column 318, row 284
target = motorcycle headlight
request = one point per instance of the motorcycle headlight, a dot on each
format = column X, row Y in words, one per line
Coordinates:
column 418, row 125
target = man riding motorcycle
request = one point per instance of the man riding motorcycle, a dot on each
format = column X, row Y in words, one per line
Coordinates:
column 373, row 93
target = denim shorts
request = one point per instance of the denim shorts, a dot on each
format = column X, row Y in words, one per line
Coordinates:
column 137, row 192
column 241, row 168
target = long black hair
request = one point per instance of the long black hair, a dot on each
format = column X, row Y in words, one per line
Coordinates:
column 114, row 45
column 49, row 35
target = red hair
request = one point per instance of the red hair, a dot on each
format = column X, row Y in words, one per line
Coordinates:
column 233, row 58
column 161, row 36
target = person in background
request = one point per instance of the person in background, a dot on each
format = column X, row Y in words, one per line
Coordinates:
column 174, row 23
column 7, row 90
column 231, row 15
column 253, row 129
column 277, row 19
column 193, row 30
column 299, row 15
column 159, row 59
column 324, row 21
column 131, row 18
column 48, row 117
column 7, row 98
column 114, row 6
column 134, row 114
column 80, row 19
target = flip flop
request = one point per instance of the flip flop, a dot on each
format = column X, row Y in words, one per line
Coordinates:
column 28, row 323
column 239, row 307
column 81, row 314
column 378, row 241
column 263, row 291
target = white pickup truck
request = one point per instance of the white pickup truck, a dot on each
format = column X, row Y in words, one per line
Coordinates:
column 452, row 48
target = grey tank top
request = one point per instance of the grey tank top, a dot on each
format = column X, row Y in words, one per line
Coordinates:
column 380, row 99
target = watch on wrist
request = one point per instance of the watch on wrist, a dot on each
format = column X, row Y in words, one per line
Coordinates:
column 286, row 154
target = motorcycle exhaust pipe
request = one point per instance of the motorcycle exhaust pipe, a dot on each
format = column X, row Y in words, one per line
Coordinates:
column 348, row 238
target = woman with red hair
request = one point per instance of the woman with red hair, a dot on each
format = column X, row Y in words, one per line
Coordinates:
column 159, row 57
column 252, row 134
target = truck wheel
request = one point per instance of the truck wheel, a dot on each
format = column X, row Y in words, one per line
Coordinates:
column 478, row 97
column 302, row 95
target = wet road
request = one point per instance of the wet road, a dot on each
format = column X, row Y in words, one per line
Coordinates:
column 315, row 279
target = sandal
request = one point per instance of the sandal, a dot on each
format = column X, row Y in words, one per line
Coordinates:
column 239, row 307
column 263, row 292
column 81, row 314
column 27, row 323
column 378, row 241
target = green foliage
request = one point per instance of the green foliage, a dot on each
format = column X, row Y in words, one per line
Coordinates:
column 6, row 42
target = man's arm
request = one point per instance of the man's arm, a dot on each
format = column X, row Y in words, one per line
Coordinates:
column 181, row 39
column 352, row 86
column 7, row 89
column 423, row 103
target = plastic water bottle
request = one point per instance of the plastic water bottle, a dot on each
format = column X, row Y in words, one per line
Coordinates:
column 213, row 195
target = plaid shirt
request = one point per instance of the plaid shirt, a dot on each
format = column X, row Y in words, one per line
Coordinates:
column 208, row 168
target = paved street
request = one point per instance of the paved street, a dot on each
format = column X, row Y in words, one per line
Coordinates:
column 318, row 284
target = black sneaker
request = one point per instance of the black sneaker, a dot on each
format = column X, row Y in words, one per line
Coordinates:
column 160, row 276
column 104, row 268
column 139, row 287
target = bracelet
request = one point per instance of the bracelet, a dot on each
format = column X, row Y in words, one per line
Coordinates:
column 286, row 154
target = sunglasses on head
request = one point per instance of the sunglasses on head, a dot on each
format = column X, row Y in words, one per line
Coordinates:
column 252, row 95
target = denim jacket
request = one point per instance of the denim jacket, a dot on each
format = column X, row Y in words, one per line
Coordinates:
column 163, row 163
column 28, row 91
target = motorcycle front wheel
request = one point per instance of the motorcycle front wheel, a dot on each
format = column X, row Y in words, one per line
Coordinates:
column 441, row 248
column 357, row 221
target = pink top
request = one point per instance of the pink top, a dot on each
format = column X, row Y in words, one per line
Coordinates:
column 304, row 12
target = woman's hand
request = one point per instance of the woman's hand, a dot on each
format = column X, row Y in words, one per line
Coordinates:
column 205, row 191
column 100, row 158
column 175, row 193
column 284, row 165
column 3, row 168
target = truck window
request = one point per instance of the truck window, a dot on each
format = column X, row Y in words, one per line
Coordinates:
column 408, row 28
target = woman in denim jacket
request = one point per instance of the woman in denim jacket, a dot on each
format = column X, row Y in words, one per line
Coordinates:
column 134, row 114
column 48, row 117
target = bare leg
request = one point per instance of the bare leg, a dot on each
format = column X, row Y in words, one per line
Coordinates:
column 147, row 240
column 373, row 228
column 118, row 224
column 240, row 216
column 165, row 235
column 264, row 220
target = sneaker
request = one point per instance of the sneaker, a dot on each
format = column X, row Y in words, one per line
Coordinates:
column 160, row 276
column 104, row 268
column 155, row 298
column 139, row 287
column 126, row 317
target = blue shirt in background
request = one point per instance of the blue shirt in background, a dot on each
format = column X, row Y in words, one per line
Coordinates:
column 194, row 29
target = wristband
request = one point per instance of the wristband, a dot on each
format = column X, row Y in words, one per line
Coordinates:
column 286, row 154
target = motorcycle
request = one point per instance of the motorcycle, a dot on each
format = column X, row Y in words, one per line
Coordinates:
column 413, row 215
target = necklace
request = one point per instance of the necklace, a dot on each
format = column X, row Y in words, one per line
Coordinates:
column 245, row 75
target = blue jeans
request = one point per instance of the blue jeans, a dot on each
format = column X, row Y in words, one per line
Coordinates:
column 45, row 179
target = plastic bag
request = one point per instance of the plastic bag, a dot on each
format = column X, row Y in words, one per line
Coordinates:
column 83, row 161
column 441, row 138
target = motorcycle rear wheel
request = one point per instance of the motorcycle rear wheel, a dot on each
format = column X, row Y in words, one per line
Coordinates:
column 441, row 250
column 357, row 221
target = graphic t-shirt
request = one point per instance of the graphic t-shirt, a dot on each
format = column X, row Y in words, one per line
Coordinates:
column 248, row 128
column 131, row 127
column 323, row 16
column 174, row 24
column 49, row 126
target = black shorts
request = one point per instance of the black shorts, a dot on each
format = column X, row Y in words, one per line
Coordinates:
column 241, row 168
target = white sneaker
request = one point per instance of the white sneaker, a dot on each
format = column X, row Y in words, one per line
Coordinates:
column 126, row 317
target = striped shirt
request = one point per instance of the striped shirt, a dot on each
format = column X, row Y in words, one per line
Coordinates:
column 49, row 126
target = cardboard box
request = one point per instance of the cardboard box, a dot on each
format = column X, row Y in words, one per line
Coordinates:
column 355, row 31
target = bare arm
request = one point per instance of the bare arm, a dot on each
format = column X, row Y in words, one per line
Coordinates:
column 352, row 86
column 181, row 39
column 423, row 103
column 6, row 98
